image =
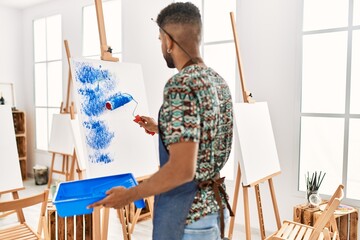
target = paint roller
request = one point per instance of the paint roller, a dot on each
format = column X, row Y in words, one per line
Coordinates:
column 120, row 100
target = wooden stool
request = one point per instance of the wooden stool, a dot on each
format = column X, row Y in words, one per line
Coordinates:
column 77, row 227
column 347, row 222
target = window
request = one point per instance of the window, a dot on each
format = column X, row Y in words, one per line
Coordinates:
column 47, row 75
column 330, row 99
column 113, row 23
column 218, row 50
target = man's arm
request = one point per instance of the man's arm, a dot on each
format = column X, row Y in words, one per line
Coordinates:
column 178, row 170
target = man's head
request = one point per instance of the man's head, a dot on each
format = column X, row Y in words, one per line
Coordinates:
column 180, row 24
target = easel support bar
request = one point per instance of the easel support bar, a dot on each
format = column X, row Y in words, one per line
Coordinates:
column 106, row 52
column 69, row 76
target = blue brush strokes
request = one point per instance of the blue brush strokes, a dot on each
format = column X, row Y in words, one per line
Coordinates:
column 96, row 85
column 98, row 135
column 89, row 74
column 93, row 102
column 101, row 158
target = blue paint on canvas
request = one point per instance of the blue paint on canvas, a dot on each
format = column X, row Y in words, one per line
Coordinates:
column 93, row 101
column 98, row 134
column 96, row 84
column 103, row 158
column 89, row 74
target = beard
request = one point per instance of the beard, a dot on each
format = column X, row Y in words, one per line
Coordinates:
column 169, row 60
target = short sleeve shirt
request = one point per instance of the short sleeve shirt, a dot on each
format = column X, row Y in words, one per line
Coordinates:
column 197, row 107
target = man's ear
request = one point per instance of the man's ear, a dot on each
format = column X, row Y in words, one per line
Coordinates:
column 169, row 42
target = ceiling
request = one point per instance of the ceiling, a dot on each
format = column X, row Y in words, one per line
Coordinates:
column 21, row 4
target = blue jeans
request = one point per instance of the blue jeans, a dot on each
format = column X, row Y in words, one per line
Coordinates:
column 207, row 227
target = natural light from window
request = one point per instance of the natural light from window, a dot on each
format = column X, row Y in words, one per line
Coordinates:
column 325, row 14
column 330, row 99
column 323, row 91
column 47, row 75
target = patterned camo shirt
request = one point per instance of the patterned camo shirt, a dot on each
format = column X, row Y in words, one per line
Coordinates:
column 197, row 107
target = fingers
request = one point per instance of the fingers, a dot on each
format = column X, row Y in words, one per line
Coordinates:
column 114, row 190
column 96, row 204
column 147, row 119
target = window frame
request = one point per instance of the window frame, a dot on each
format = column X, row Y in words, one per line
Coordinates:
column 346, row 116
column 47, row 62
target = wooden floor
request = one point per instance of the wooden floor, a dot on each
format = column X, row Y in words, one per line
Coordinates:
column 142, row 230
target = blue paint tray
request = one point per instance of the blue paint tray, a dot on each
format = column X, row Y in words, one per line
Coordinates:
column 72, row 198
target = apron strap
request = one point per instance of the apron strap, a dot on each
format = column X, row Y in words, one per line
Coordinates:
column 217, row 187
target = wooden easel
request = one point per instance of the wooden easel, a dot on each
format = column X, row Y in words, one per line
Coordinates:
column 247, row 98
column 68, row 168
column 124, row 213
column 106, row 55
column 106, row 51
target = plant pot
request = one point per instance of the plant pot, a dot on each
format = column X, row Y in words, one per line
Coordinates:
column 313, row 198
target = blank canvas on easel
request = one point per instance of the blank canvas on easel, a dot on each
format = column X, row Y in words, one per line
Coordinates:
column 113, row 142
column 10, row 174
column 259, row 159
column 61, row 137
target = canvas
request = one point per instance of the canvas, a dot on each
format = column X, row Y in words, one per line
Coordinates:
column 112, row 142
column 257, row 142
column 61, row 137
column 10, row 174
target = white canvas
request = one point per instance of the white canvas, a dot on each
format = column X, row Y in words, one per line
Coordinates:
column 259, row 159
column 10, row 174
column 61, row 137
column 113, row 142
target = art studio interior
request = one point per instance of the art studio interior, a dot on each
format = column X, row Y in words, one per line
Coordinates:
column 77, row 77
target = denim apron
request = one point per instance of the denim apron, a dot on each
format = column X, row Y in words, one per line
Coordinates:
column 172, row 208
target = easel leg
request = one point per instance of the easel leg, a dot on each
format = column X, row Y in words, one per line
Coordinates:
column 260, row 212
column 105, row 224
column 78, row 170
column 234, row 206
column 67, row 173
column 247, row 213
column 134, row 221
column 51, row 169
column 273, row 198
column 96, row 223
column 123, row 216
column 150, row 201
column 72, row 168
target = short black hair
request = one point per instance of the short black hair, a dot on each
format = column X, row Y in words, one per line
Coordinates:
column 179, row 13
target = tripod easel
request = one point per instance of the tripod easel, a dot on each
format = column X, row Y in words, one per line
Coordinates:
column 100, row 232
column 68, row 165
column 247, row 98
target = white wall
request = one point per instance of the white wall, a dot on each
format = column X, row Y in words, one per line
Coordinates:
column 11, row 47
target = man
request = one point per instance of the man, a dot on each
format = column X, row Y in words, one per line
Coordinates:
column 195, row 127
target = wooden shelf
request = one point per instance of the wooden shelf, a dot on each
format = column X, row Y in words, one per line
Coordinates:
column 20, row 133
